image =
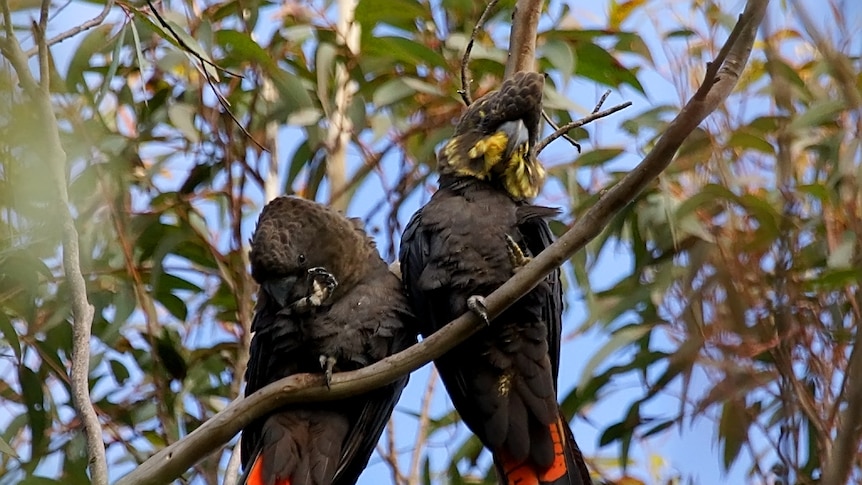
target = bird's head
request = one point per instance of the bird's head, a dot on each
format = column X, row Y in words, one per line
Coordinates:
column 496, row 137
column 294, row 235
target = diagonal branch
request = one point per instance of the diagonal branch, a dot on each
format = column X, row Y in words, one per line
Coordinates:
column 722, row 75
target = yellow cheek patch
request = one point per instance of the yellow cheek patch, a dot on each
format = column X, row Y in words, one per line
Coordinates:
column 491, row 148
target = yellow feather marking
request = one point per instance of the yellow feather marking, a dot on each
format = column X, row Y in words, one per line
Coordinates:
column 521, row 178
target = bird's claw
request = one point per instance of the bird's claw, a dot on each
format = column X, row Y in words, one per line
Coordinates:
column 476, row 304
column 323, row 285
column 327, row 363
column 516, row 254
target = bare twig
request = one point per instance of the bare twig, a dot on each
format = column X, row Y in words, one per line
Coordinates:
column 561, row 131
column 51, row 150
column 93, row 22
column 465, row 61
column 414, row 478
column 390, row 454
column 601, row 101
column 557, row 129
column 522, row 43
column 7, row 21
column 175, row 459
column 231, row 472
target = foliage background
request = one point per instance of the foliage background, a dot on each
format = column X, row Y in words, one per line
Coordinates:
column 716, row 314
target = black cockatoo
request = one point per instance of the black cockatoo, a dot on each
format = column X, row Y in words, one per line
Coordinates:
column 327, row 302
column 474, row 233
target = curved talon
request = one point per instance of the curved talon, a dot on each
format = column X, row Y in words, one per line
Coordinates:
column 327, row 363
column 476, row 304
column 323, row 285
column 516, row 254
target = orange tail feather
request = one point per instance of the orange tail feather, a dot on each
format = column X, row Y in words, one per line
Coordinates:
column 255, row 475
column 524, row 473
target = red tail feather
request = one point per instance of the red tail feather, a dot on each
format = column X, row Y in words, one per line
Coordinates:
column 255, row 475
column 525, row 473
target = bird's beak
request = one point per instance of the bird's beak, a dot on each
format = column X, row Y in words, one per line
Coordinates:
column 516, row 135
column 279, row 289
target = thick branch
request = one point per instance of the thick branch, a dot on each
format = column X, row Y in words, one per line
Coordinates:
column 837, row 468
column 172, row 461
column 522, row 40
column 340, row 125
column 51, row 151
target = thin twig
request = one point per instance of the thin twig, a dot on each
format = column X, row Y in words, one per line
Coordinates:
column 564, row 134
column 231, row 472
column 422, row 430
column 7, row 21
column 601, row 101
column 93, row 22
column 41, row 32
column 203, row 68
column 465, row 60
column 581, row 122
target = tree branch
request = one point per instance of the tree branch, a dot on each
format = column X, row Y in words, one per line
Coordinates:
column 837, row 468
column 722, row 75
column 522, row 40
column 93, row 22
column 562, row 130
column 51, row 151
column 340, row 124
column 465, row 60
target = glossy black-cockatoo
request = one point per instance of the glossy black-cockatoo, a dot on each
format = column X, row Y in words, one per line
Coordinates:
column 474, row 233
column 327, row 303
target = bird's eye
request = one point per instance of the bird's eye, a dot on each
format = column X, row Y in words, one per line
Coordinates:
column 301, row 259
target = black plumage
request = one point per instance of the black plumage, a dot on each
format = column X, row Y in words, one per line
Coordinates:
column 327, row 303
column 471, row 237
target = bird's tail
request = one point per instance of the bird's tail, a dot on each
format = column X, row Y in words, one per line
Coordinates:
column 254, row 474
column 567, row 468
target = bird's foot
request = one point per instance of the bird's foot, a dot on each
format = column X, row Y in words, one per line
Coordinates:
column 327, row 363
column 516, row 254
column 323, row 285
column 476, row 304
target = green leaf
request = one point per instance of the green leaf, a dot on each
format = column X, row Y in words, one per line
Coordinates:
column 240, row 47
column 10, row 334
column 182, row 116
column 397, row 13
column 391, row 92
column 594, row 62
column 34, row 399
column 823, row 112
column 750, row 141
column 121, row 373
column 733, row 429
column 621, row 338
column 406, row 51
column 6, row 449
column 112, row 69
column 96, row 41
column 598, row 157
column 561, row 56
column 842, row 257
